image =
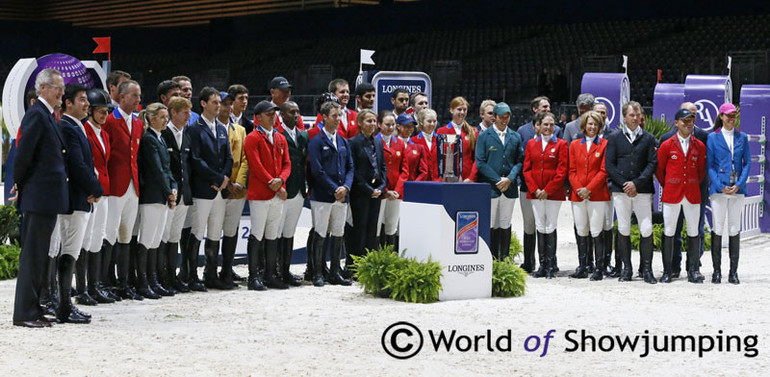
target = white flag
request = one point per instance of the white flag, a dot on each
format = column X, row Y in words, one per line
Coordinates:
column 729, row 63
column 625, row 62
column 366, row 56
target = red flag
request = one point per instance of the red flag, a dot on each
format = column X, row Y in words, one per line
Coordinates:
column 660, row 73
column 103, row 46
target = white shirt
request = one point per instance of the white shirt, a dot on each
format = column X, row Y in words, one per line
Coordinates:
column 344, row 119
column 127, row 117
column 501, row 135
column 588, row 144
column 332, row 137
column 178, row 134
column 632, row 135
column 729, row 139
column 544, row 141
column 236, row 119
column 212, row 125
column 156, row 132
column 98, row 132
column 387, row 139
column 685, row 142
column 457, row 127
column 428, row 139
column 269, row 135
column 482, row 127
column 404, row 139
column 47, row 106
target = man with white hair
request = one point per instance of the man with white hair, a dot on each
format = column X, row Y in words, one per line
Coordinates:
column 41, row 183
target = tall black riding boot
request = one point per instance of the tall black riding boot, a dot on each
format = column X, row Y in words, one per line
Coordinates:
column 668, row 256
column 309, row 269
column 608, row 238
column 66, row 311
column 81, row 269
column 46, row 299
column 334, row 271
column 581, row 272
column 555, row 261
column 162, row 268
column 319, row 264
column 254, row 249
column 624, row 249
column 142, row 283
column 287, row 247
column 133, row 249
column 599, row 256
column 693, row 260
column 172, row 258
column 184, row 268
column 645, row 254
column 735, row 253
column 193, row 247
column 494, row 242
column 550, row 257
column 589, row 254
column 152, row 273
column 228, row 255
column 122, row 255
column 529, row 253
column 716, row 258
column 505, row 242
column 271, row 260
column 210, row 278
column 108, row 278
column 94, row 274
column 541, row 253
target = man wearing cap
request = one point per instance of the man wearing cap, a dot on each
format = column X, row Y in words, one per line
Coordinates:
column 269, row 168
column 681, row 167
column 499, row 159
column 240, row 96
column 185, row 84
column 212, row 164
column 630, row 161
column 405, row 126
column 365, row 96
column 486, row 111
column 125, row 130
column 331, row 168
column 280, row 92
column 347, row 127
column 701, row 135
column 235, row 194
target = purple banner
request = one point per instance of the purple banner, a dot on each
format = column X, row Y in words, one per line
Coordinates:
column 467, row 232
column 707, row 93
column 755, row 111
column 667, row 100
column 612, row 89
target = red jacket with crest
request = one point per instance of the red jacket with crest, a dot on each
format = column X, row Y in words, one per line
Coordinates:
column 679, row 173
column 586, row 169
column 101, row 156
column 428, row 166
column 266, row 161
column 546, row 169
column 124, row 150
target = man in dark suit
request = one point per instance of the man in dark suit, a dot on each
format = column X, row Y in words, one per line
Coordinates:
column 212, row 164
column 331, row 168
column 630, row 160
column 369, row 183
column 41, row 183
column 296, row 189
column 84, row 189
column 676, row 264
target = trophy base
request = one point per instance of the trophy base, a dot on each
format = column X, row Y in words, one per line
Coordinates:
column 451, row 179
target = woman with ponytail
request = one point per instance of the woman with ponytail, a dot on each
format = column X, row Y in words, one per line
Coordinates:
column 458, row 107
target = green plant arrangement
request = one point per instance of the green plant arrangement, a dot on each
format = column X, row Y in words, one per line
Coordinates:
column 657, row 237
column 657, row 127
column 384, row 273
column 9, row 223
column 508, row 279
column 9, row 261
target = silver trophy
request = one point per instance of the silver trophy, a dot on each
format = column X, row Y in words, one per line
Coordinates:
column 450, row 149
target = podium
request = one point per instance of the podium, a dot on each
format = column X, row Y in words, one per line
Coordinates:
column 449, row 222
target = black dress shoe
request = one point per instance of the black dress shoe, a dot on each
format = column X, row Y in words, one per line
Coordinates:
column 35, row 324
column 665, row 278
column 80, row 313
column 85, row 299
column 675, row 274
column 74, row 318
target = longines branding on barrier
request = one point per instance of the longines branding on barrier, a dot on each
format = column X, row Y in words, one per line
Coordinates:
column 403, row 340
column 465, row 269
